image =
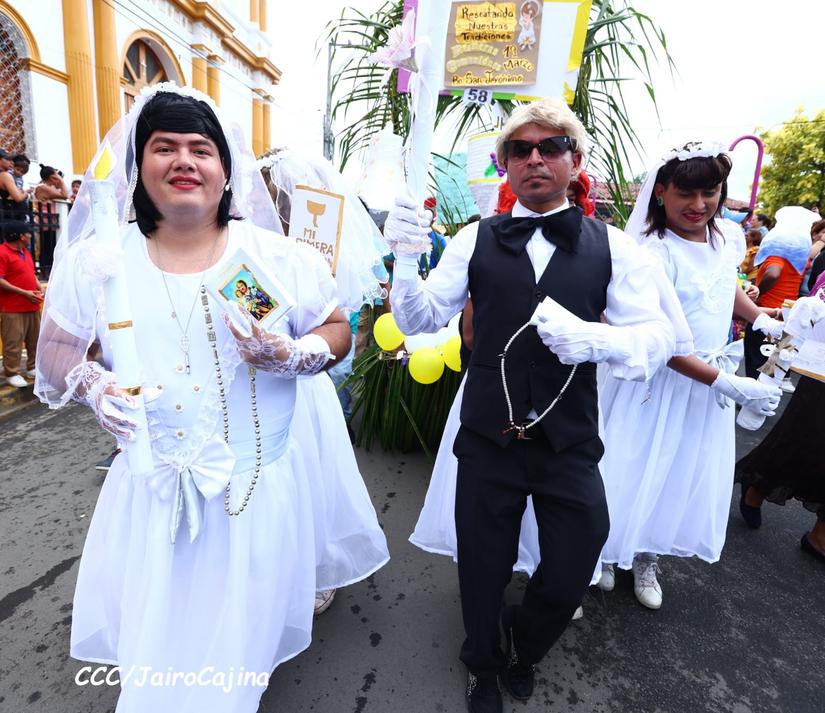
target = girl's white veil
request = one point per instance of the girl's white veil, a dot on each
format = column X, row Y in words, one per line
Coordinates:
column 636, row 224
column 360, row 269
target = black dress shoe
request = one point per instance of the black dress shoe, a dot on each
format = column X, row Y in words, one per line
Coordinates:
column 483, row 694
column 810, row 548
column 750, row 514
column 519, row 678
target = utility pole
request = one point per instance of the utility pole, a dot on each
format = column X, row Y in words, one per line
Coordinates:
column 329, row 138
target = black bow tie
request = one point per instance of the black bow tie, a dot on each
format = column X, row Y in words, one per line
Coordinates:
column 561, row 229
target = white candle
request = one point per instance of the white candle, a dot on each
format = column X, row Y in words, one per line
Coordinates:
column 126, row 366
column 429, row 35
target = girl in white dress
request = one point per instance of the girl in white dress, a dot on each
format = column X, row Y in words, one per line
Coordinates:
column 669, row 444
column 197, row 580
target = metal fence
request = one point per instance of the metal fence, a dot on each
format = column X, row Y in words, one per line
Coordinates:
column 46, row 219
column 12, row 124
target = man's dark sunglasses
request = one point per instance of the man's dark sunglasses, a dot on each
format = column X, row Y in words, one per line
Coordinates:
column 550, row 147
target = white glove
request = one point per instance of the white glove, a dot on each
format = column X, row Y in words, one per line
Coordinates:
column 805, row 313
column 407, row 230
column 756, row 396
column 768, row 325
column 572, row 339
column 276, row 353
column 90, row 384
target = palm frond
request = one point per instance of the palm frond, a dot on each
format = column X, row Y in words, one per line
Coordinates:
column 620, row 46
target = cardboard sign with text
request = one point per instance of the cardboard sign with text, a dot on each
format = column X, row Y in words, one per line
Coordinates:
column 316, row 218
column 493, row 43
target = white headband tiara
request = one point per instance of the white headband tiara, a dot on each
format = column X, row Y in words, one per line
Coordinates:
column 694, row 149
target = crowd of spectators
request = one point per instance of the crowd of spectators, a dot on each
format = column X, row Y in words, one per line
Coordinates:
column 28, row 234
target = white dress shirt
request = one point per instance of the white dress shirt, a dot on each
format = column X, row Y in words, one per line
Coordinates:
column 632, row 298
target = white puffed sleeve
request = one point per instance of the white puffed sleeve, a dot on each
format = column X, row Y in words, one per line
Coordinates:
column 427, row 305
column 668, row 299
column 634, row 304
column 313, row 288
column 68, row 329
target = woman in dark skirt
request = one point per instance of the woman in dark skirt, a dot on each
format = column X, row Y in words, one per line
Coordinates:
column 789, row 464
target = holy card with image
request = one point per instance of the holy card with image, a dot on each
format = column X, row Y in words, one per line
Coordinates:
column 245, row 282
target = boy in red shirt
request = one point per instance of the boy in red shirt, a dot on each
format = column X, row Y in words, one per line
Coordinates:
column 20, row 301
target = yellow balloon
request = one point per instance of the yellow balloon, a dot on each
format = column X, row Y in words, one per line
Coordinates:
column 386, row 332
column 426, row 365
column 451, row 351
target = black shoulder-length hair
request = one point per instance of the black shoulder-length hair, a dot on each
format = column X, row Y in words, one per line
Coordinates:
column 178, row 114
column 705, row 172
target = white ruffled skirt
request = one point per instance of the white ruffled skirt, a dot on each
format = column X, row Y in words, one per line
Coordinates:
column 198, row 627
column 349, row 543
column 239, row 599
column 667, row 468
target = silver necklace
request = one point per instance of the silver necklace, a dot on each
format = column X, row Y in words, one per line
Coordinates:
column 521, row 429
column 213, row 341
column 184, row 332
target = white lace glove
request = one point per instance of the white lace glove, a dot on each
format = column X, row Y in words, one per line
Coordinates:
column 768, row 325
column 90, row 384
column 805, row 313
column 575, row 341
column 756, row 396
column 407, row 230
column 276, row 353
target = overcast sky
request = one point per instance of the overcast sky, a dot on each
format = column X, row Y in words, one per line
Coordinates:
column 741, row 64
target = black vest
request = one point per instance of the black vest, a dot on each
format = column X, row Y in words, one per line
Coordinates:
column 505, row 295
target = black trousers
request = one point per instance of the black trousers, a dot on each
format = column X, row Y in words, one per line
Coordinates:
column 571, row 512
column 753, row 356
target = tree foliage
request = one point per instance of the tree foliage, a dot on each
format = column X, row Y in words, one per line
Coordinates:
column 795, row 174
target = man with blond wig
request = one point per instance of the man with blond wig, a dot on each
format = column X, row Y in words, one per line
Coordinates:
column 553, row 294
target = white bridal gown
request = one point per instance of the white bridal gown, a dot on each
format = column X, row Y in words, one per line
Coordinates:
column 238, row 599
column 669, row 446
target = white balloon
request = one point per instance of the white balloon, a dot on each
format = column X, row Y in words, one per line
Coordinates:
column 420, row 341
column 452, row 326
column 433, row 339
column 442, row 335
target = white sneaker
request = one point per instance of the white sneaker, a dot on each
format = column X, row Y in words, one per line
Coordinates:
column 578, row 614
column 787, row 386
column 608, row 579
column 16, row 381
column 30, row 373
column 645, row 585
column 323, row 599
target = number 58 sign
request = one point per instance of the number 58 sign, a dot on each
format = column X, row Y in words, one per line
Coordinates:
column 477, row 95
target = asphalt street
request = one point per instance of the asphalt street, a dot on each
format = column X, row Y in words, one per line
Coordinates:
column 741, row 636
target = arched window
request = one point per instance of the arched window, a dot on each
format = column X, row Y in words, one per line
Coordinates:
column 142, row 66
column 12, row 120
